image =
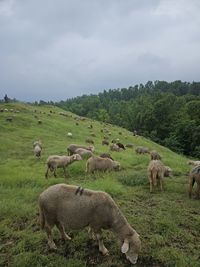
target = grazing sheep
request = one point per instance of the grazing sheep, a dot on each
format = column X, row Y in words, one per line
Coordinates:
column 141, row 150
column 106, row 155
column 154, row 155
column 156, row 171
column 84, row 153
column 54, row 162
column 39, row 122
column 37, row 148
column 194, row 162
column 105, row 142
column 130, row 145
column 89, row 141
column 114, row 147
column 194, row 177
column 72, row 207
column 72, row 148
column 120, row 145
column 168, row 171
column 101, row 164
column 69, row 134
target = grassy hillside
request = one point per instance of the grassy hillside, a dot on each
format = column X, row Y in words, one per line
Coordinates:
column 168, row 222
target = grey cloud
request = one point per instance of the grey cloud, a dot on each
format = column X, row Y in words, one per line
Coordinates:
column 53, row 50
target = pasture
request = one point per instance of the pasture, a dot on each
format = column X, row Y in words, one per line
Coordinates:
column 168, row 222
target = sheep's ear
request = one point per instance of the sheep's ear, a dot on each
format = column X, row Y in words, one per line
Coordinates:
column 125, row 246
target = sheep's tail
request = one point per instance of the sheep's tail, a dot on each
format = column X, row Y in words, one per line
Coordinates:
column 42, row 217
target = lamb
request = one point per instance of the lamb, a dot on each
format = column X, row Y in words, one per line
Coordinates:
column 141, row 150
column 54, row 162
column 72, row 148
column 84, row 153
column 194, row 177
column 154, row 155
column 71, row 207
column 155, row 171
column 105, row 142
column 106, row 155
column 101, row 164
column 194, row 162
column 37, row 148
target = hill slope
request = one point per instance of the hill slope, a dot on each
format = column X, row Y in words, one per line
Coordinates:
column 167, row 222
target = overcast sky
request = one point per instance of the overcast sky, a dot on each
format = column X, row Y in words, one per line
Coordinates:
column 54, row 50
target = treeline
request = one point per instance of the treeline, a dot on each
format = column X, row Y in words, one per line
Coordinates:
column 168, row 113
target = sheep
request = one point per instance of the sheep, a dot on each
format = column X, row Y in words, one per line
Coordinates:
column 101, row 164
column 120, row 145
column 155, row 172
column 167, row 171
column 39, row 122
column 9, row 119
column 89, row 141
column 105, row 142
column 54, row 162
column 69, row 134
column 84, row 153
column 72, row 148
column 141, row 150
column 114, row 147
column 194, row 176
column 72, row 207
column 37, row 148
column 93, row 134
column 194, row 162
column 154, row 155
column 106, row 155
column 130, row 145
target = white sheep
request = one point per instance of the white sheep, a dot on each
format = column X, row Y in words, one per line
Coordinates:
column 37, row 148
column 71, row 207
column 84, row 153
column 69, row 134
column 194, row 162
column 101, row 164
column 55, row 161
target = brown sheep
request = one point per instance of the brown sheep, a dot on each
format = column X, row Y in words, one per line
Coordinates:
column 120, row 145
column 72, row 207
column 114, row 147
column 55, row 161
column 194, row 177
column 72, row 148
column 154, row 155
column 101, row 164
column 155, row 172
column 141, row 150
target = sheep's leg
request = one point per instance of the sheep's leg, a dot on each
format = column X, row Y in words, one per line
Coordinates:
column 102, row 248
column 65, row 174
column 161, row 183
column 51, row 243
column 150, row 181
column 54, row 173
column 46, row 174
column 198, row 191
column 62, row 232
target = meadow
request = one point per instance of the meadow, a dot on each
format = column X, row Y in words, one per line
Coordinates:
column 168, row 222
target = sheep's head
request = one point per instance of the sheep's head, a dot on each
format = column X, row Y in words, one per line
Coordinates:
column 76, row 157
column 131, row 247
column 116, row 165
column 91, row 148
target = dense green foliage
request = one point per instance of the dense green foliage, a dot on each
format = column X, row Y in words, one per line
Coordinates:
column 168, row 222
column 168, row 113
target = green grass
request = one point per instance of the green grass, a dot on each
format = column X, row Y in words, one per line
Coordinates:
column 167, row 222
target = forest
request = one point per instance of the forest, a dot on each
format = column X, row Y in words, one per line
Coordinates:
column 166, row 112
